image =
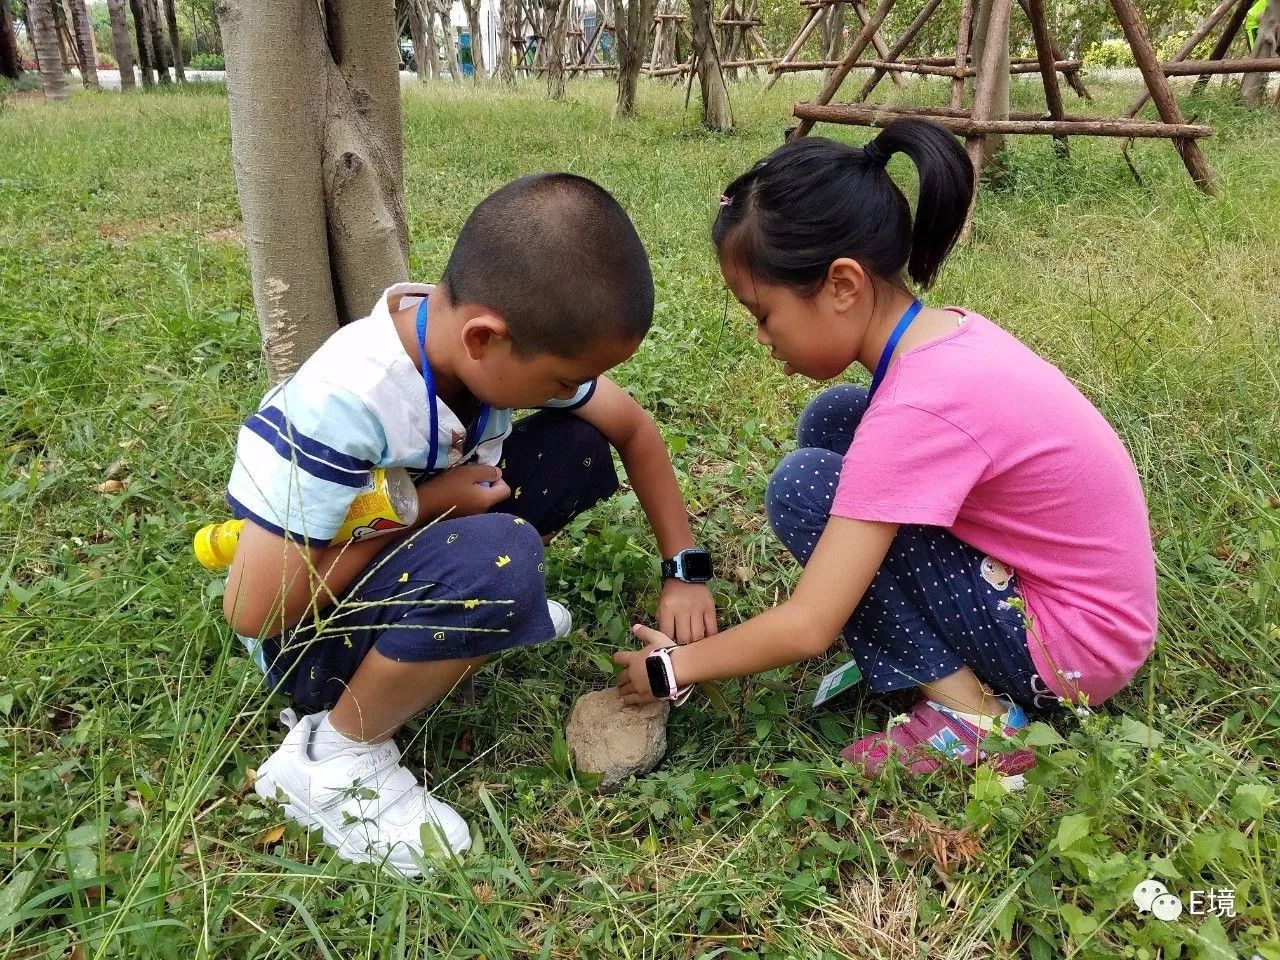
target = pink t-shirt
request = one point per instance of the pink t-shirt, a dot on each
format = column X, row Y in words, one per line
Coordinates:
column 976, row 433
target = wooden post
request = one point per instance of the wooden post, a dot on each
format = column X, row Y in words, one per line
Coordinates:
column 1203, row 30
column 814, row 15
column 1225, row 40
column 1136, row 33
column 962, row 51
column 1072, row 75
column 882, row 51
column 896, row 50
column 1048, row 69
column 860, row 43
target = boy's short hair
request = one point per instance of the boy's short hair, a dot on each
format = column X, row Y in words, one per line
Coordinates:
column 558, row 259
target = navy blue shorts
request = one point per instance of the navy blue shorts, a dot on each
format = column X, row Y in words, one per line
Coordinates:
column 936, row 604
column 457, row 589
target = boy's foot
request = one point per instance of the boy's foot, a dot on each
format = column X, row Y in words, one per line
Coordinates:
column 561, row 619
column 370, row 808
column 923, row 740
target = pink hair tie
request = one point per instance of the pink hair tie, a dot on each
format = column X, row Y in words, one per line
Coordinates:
column 725, row 201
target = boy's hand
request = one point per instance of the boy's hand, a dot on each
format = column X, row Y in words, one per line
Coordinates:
column 462, row 492
column 633, row 681
column 686, row 611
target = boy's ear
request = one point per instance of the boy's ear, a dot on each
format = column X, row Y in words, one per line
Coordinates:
column 846, row 281
column 481, row 332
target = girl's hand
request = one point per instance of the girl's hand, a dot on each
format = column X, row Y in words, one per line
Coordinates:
column 461, row 492
column 633, row 681
column 686, row 611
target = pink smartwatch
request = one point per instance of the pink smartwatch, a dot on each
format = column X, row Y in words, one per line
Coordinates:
column 662, row 677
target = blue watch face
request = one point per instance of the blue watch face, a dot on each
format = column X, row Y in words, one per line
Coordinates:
column 697, row 566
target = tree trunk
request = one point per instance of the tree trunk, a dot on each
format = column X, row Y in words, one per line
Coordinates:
column 159, row 55
column 833, row 34
column 175, row 41
column 472, row 8
column 1254, row 86
column 143, row 34
column 631, row 19
column 45, row 41
column 993, row 144
column 450, row 48
column 716, row 112
column 10, row 62
column 510, row 15
column 556, row 17
column 317, row 149
column 86, row 48
column 120, row 40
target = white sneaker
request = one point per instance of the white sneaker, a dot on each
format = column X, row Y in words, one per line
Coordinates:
column 561, row 619
column 371, row 809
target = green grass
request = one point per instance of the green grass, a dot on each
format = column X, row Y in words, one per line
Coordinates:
column 129, row 716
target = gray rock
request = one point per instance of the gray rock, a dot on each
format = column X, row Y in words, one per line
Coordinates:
column 614, row 740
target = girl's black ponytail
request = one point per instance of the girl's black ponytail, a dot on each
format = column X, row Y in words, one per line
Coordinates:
column 814, row 201
column 946, row 189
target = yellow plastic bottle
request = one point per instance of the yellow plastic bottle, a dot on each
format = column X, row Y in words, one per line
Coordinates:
column 389, row 503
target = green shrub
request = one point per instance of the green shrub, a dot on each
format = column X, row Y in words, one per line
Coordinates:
column 1109, row 53
column 208, row 61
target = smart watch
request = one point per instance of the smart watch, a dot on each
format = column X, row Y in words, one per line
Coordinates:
column 691, row 566
column 662, row 677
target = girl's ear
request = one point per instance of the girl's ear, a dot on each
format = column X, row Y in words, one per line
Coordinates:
column 482, row 332
column 847, row 281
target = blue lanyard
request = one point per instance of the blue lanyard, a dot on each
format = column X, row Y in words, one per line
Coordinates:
column 892, row 344
column 482, row 419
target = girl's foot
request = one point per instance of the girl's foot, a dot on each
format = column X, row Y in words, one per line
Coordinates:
column 923, row 740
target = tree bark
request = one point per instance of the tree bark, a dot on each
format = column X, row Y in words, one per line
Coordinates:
column 47, row 47
column 631, row 19
column 716, row 112
column 159, row 55
column 450, row 49
column 120, row 40
column 317, row 150
column 143, row 34
column 10, row 62
column 472, row 8
column 998, row 96
column 175, row 41
column 1253, row 89
column 510, row 17
column 556, row 17
column 833, row 33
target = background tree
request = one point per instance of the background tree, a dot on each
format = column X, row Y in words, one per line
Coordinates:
column 631, row 20
column 44, row 38
column 509, row 26
column 1254, row 86
column 146, row 59
column 992, row 144
column 423, row 34
column 317, row 149
column 10, row 60
column 175, row 41
column 86, row 49
column 120, row 41
column 441, row 9
column 716, row 112
column 472, row 9
column 159, row 53
column 556, row 22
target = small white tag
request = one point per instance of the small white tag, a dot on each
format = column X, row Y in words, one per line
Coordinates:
column 837, row 682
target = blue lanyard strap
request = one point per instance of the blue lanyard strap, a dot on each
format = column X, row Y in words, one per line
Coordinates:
column 482, row 419
column 892, row 344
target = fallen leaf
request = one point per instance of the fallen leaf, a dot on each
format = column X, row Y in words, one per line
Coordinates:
column 76, row 952
column 1273, row 503
column 743, row 574
column 117, row 470
column 270, row 837
column 111, row 486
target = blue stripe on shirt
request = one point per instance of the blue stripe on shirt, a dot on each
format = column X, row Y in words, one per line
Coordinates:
column 321, row 451
column 241, row 512
column 291, row 448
